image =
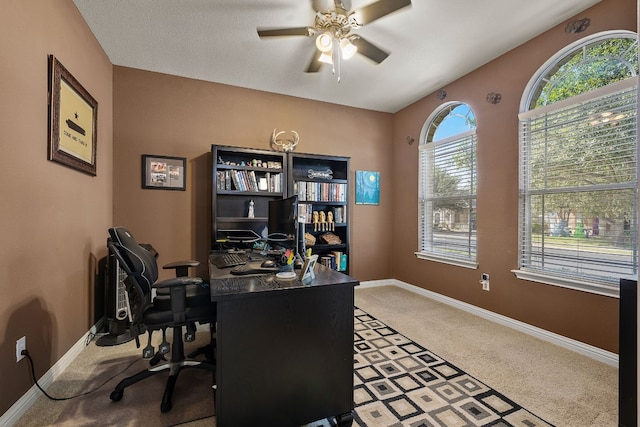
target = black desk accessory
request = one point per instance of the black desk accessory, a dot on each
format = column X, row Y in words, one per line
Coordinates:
column 240, row 236
column 243, row 270
column 225, row 260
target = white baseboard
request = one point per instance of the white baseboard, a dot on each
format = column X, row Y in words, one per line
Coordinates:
column 596, row 353
column 21, row 406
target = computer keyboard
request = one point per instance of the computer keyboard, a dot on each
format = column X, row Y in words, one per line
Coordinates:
column 242, row 270
column 227, row 260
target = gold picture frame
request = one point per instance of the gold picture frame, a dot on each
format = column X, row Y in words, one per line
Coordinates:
column 73, row 120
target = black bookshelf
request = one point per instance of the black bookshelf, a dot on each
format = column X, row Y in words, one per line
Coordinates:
column 240, row 176
column 322, row 185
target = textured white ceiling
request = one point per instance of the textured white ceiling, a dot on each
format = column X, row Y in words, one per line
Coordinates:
column 432, row 43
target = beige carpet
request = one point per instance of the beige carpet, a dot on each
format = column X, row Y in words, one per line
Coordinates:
column 140, row 405
column 564, row 388
column 399, row 382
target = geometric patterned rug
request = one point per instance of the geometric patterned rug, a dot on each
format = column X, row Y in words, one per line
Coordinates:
column 400, row 383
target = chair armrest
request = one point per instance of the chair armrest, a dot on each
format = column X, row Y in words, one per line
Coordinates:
column 181, row 267
column 178, row 294
column 177, row 281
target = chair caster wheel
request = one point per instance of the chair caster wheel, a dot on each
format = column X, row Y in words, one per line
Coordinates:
column 116, row 395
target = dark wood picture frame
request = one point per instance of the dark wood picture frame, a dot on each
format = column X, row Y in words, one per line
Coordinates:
column 164, row 172
column 73, row 121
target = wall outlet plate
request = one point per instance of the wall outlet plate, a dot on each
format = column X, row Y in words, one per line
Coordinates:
column 21, row 344
column 484, row 280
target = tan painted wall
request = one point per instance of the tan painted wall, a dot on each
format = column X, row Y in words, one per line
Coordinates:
column 167, row 115
column 578, row 315
column 53, row 219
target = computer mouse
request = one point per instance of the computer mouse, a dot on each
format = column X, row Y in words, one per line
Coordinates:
column 268, row 263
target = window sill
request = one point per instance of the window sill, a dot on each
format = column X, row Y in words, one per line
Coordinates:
column 594, row 288
column 451, row 261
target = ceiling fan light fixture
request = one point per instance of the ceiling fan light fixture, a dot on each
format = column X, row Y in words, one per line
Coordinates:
column 326, row 57
column 324, row 42
column 347, row 48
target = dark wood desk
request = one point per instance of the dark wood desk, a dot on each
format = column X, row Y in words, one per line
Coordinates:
column 284, row 349
column 628, row 354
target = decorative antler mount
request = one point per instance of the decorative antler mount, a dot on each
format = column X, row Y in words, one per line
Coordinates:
column 288, row 145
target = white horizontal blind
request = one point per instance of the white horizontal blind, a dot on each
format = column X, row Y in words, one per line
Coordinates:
column 578, row 182
column 447, row 197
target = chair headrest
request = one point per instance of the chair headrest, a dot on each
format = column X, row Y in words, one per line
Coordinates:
column 140, row 263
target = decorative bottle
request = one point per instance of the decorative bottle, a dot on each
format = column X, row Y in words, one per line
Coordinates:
column 251, row 213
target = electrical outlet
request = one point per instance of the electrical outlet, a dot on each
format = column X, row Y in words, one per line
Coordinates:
column 484, row 280
column 21, row 344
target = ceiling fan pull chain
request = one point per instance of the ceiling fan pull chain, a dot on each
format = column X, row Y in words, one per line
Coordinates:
column 337, row 57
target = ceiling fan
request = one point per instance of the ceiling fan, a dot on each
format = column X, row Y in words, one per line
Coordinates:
column 332, row 29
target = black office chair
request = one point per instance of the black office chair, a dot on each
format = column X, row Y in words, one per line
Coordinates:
column 180, row 302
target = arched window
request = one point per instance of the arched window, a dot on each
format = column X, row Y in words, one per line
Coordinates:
column 447, row 187
column 578, row 165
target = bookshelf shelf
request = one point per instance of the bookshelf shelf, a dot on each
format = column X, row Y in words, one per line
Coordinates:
column 242, row 219
column 250, row 193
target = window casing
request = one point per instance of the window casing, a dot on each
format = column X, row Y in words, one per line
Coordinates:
column 578, row 169
column 447, row 187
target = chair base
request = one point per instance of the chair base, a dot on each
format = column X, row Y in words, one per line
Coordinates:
column 177, row 364
column 174, row 369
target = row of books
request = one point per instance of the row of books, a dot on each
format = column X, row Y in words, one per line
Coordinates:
column 305, row 213
column 309, row 191
column 246, row 180
column 336, row 260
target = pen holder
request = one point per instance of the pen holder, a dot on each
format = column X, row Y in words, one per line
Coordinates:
column 286, row 272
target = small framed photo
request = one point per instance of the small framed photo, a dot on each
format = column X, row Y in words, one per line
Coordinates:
column 306, row 273
column 73, row 121
column 164, row 172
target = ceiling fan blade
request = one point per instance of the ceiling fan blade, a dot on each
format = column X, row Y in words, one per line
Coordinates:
column 369, row 50
column 377, row 10
column 324, row 6
column 314, row 65
column 277, row 32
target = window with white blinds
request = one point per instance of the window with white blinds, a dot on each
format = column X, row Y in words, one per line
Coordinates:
column 447, row 192
column 578, row 190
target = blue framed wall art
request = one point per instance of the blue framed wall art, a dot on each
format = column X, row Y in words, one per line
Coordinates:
column 367, row 188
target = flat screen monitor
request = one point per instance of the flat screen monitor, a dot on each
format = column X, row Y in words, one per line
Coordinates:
column 283, row 222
